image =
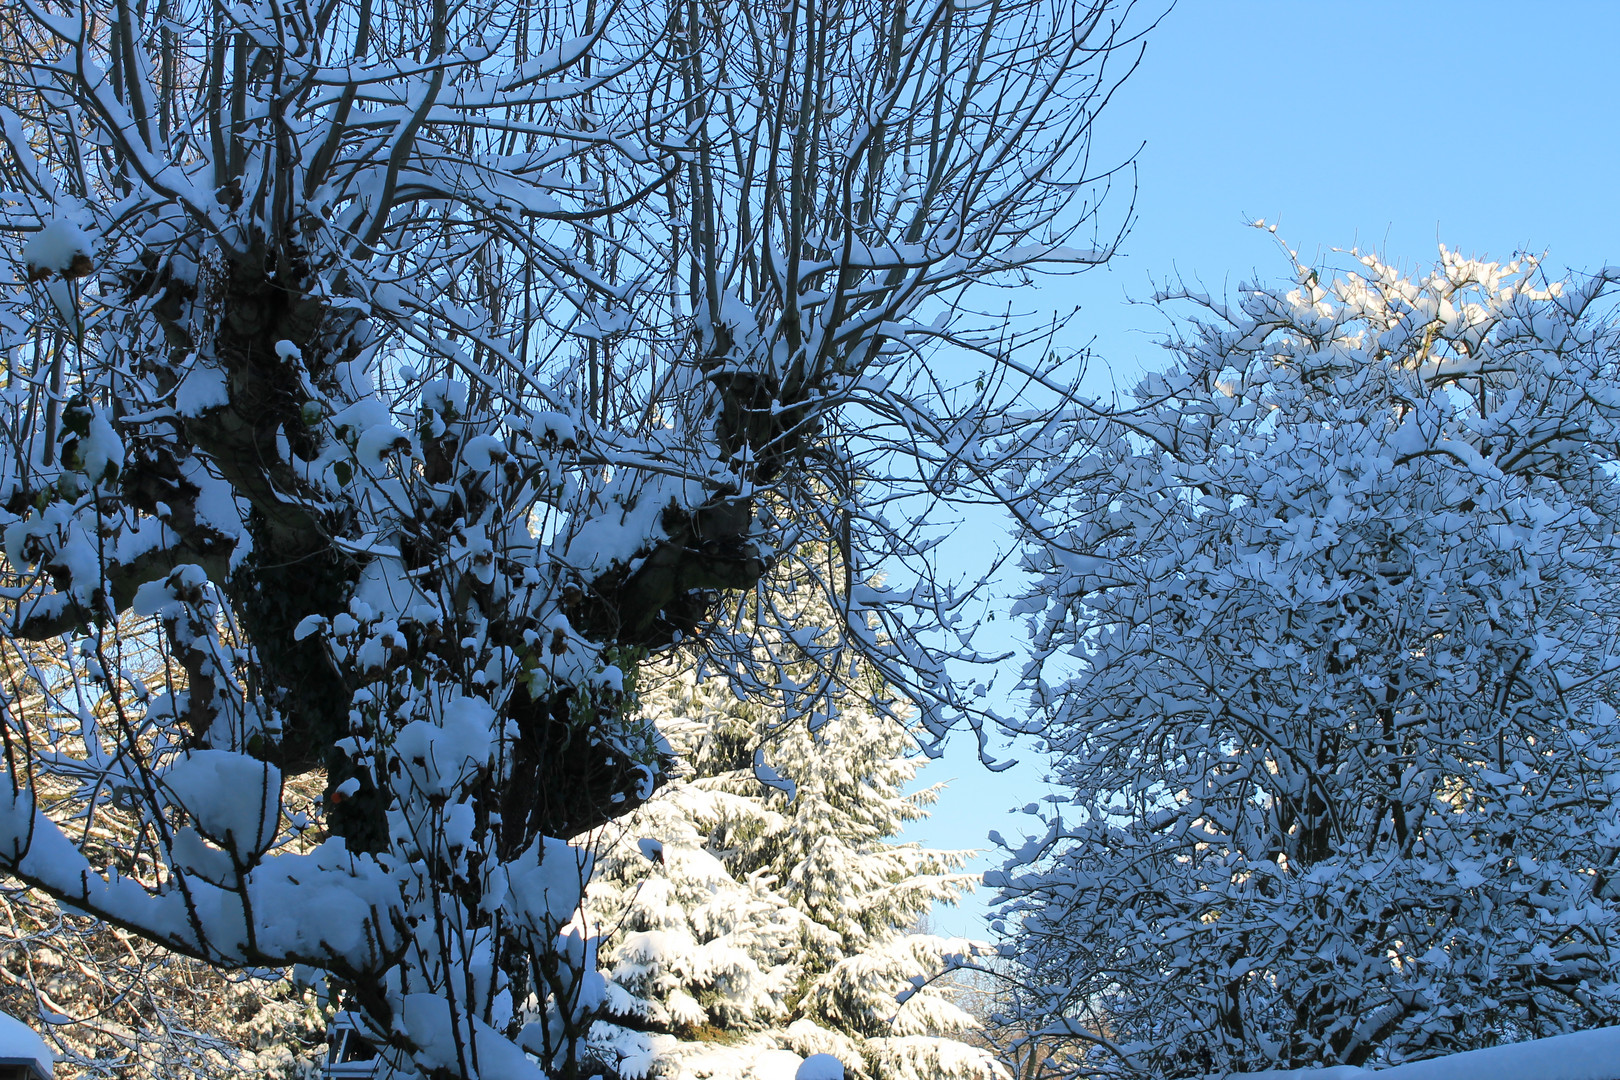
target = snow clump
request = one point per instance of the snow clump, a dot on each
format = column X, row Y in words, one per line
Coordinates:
column 59, row 248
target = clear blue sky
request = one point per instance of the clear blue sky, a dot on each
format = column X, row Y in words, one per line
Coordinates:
column 1492, row 128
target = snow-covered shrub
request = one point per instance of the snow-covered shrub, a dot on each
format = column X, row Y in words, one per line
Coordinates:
column 1328, row 633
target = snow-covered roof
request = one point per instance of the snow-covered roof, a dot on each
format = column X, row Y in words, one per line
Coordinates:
column 21, row 1045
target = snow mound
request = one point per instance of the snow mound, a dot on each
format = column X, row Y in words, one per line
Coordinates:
column 820, row 1067
column 1580, row 1055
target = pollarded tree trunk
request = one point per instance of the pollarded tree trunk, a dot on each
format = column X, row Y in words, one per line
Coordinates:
column 419, row 370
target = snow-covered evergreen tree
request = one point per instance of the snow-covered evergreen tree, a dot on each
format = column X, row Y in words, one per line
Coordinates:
column 1330, row 632
column 760, row 896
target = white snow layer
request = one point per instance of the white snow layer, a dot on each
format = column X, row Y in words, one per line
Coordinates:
column 1581, row 1055
column 427, row 1019
column 18, row 1040
column 776, row 1065
column 217, row 787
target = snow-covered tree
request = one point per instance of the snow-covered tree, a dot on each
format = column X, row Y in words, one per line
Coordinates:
column 1328, row 633
column 410, row 371
column 782, row 912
